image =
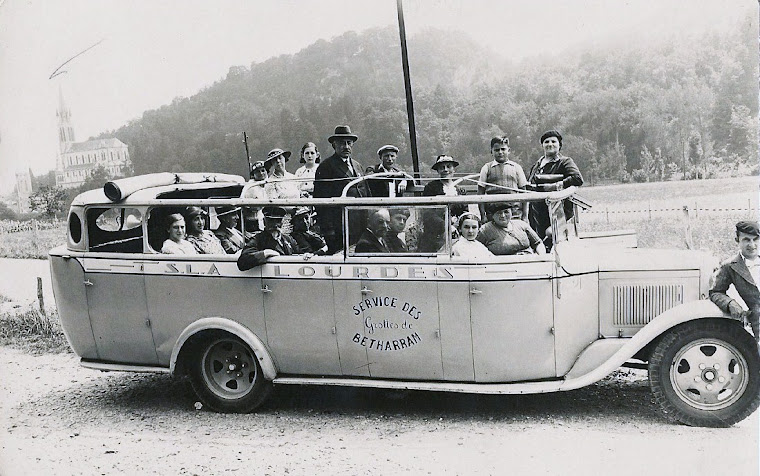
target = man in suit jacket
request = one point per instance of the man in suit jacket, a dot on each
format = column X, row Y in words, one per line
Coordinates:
column 743, row 271
column 268, row 243
column 382, row 187
column 332, row 175
column 372, row 240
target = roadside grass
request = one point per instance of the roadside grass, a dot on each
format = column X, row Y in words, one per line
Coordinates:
column 640, row 207
column 31, row 245
column 733, row 192
column 32, row 332
column 714, row 234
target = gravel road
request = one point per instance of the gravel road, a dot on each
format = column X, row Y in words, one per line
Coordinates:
column 59, row 419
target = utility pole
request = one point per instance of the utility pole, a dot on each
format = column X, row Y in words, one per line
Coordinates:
column 408, row 89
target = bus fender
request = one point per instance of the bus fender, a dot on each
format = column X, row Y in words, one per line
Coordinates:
column 233, row 327
column 604, row 356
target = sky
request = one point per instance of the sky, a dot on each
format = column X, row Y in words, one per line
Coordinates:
column 151, row 51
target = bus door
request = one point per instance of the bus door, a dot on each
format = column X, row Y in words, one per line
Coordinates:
column 400, row 327
column 511, row 313
column 300, row 317
column 115, row 286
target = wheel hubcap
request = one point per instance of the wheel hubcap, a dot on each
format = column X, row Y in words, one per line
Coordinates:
column 228, row 369
column 709, row 374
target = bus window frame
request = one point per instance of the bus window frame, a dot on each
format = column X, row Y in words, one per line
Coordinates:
column 445, row 251
column 90, row 225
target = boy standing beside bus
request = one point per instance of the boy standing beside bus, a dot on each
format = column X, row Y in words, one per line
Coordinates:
column 743, row 271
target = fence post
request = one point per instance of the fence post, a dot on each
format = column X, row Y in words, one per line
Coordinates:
column 650, row 209
column 688, row 239
column 40, row 297
column 36, row 237
column 696, row 210
column 608, row 214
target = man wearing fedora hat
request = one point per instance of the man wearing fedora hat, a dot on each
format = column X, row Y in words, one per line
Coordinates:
column 381, row 187
column 228, row 233
column 332, row 175
column 269, row 242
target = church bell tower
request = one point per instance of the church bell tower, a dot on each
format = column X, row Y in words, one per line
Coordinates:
column 65, row 131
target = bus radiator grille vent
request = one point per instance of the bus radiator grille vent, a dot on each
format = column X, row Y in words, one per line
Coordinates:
column 636, row 305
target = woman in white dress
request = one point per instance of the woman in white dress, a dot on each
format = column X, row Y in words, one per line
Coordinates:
column 305, row 173
column 176, row 243
column 281, row 183
column 467, row 246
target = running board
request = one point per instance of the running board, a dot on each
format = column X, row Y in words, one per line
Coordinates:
column 484, row 388
column 106, row 367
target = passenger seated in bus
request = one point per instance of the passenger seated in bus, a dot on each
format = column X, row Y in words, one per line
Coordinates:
column 372, row 240
column 176, row 243
column 253, row 222
column 270, row 242
column 433, row 236
column 467, row 246
column 308, row 241
column 393, row 241
column 505, row 236
column 255, row 188
column 205, row 241
column 232, row 239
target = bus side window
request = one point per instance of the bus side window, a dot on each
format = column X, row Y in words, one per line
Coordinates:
column 407, row 230
column 115, row 230
column 157, row 232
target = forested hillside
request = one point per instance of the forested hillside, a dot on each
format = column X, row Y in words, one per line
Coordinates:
column 626, row 112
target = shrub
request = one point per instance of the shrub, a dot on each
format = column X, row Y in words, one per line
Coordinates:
column 640, row 176
column 625, row 177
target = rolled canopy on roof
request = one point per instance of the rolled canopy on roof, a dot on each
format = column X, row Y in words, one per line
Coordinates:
column 118, row 190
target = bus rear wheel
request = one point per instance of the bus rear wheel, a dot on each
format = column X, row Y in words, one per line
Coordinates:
column 706, row 373
column 226, row 376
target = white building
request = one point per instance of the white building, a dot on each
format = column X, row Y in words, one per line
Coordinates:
column 23, row 191
column 77, row 160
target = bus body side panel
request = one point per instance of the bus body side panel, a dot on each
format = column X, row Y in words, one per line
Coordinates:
column 456, row 332
column 400, row 328
column 300, row 320
column 119, row 317
column 576, row 317
column 512, row 321
column 71, row 300
column 186, row 292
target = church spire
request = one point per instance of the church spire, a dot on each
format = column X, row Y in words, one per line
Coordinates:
column 65, row 131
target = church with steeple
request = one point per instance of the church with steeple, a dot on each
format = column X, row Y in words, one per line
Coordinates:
column 77, row 160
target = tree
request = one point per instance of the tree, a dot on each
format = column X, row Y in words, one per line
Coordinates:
column 48, row 199
column 6, row 213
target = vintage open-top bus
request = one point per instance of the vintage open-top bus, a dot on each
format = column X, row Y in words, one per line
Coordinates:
column 417, row 319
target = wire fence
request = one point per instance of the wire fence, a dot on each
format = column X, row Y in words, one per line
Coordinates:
column 15, row 226
column 616, row 213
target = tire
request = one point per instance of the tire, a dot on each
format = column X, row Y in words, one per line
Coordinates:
column 706, row 373
column 226, row 376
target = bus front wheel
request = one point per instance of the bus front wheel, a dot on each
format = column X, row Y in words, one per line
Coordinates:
column 706, row 373
column 226, row 375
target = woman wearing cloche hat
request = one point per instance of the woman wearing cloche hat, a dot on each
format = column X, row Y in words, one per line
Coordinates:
column 445, row 166
column 282, row 184
column 204, row 240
